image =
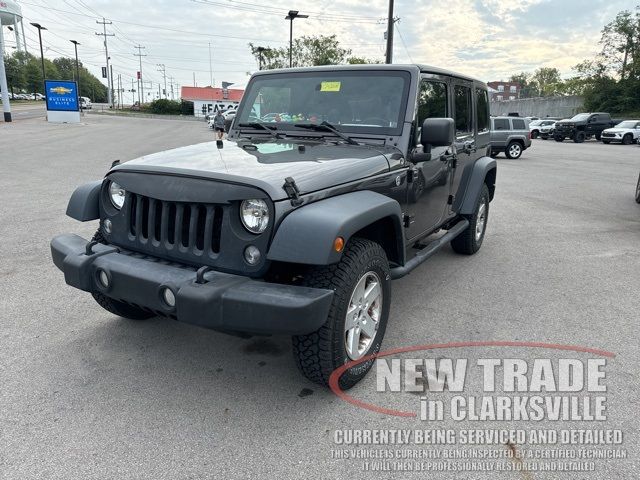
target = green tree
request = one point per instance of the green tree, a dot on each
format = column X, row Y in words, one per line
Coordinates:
column 611, row 81
column 547, row 81
column 306, row 52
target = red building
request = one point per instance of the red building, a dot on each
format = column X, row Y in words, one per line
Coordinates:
column 500, row 91
column 211, row 99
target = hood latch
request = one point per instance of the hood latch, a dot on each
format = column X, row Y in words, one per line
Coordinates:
column 293, row 192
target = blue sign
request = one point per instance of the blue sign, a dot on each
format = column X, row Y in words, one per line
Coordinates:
column 62, row 96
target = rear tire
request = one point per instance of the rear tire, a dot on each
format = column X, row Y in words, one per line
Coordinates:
column 514, row 150
column 558, row 138
column 534, row 134
column 116, row 307
column 579, row 137
column 319, row 353
column 470, row 240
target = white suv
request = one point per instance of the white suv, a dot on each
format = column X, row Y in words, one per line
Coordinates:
column 626, row 132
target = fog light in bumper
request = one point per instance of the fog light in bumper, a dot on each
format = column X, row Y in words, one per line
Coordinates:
column 169, row 297
column 103, row 279
column 252, row 255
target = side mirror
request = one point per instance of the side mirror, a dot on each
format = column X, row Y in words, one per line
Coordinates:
column 437, row 132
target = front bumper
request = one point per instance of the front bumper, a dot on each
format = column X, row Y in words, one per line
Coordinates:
column 223, row 301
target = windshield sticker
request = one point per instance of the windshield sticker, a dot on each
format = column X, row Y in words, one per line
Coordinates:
column 330, row 86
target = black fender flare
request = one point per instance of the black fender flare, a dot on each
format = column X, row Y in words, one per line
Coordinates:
column 308, row 233
column 84, row 204
column 473, row 177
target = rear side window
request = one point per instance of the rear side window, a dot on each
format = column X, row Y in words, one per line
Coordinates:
column 518, row 124
column 482, row 109
column 501, row 124
column 463, row 110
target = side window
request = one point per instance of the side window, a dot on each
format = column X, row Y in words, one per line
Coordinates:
column 501, row 124
column 482, row 110
column 463, row 110
column 518, row 124
column 432, row 101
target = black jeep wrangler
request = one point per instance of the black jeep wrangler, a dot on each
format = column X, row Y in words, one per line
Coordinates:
column 333, row 181
column 582, row 127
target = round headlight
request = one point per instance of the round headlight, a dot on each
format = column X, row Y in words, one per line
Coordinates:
column 116, row 194
column 254, row 215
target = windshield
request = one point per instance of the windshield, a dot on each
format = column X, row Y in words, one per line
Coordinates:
column 372, row 102
column 580, row 117
column 535, row 122
column 627, row 124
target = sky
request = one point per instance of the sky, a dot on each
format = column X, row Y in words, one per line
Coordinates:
column 488, row 39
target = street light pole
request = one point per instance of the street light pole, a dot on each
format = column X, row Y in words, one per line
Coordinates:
column 40, row 28
column 75, row 46
column 293, row 14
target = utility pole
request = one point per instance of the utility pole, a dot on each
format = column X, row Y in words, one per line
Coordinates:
column 133, row 93
column 163, row 69
column 293, row 14
column 104, row 34
column 171, row 83
column 390, row 25
column 112, row 85
column 140, row 55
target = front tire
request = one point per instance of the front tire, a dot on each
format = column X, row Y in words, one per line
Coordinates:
column 579, row 137
column 638, row 191
column 514, row 150
column 534, row 134
column 470, row 240
column 627, row 139
column 558, row 138
column 357, row 318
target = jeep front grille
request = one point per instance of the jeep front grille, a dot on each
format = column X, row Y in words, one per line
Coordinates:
column 185, row 227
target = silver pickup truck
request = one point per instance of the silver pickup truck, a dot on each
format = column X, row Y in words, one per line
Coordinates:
column 510, row 135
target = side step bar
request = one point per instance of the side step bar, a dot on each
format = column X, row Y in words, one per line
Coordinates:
column 429, row 250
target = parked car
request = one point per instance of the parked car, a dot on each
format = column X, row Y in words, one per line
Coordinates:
column 583, row 126
column 626, row 132
column 295, row 227
column 536, row 126
column 510, row 135
column 85, row 103
column 547, row 128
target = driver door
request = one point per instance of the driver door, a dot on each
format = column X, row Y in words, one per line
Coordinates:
column 428, row 193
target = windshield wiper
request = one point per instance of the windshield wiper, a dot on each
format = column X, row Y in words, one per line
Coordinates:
column 260, row 124
column 326, row 127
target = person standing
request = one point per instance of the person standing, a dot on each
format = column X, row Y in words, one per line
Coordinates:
column 218, row 125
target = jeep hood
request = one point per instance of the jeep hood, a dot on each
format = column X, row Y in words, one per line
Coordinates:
column 266, row 163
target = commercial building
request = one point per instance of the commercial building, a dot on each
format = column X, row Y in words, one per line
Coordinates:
column 211, row 99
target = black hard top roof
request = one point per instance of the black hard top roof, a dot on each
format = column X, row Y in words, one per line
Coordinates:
column 376, row 66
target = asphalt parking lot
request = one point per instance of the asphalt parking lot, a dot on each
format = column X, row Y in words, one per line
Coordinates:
column 89, row 395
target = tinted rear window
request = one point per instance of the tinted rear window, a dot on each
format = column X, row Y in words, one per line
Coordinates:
column 518, row 124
